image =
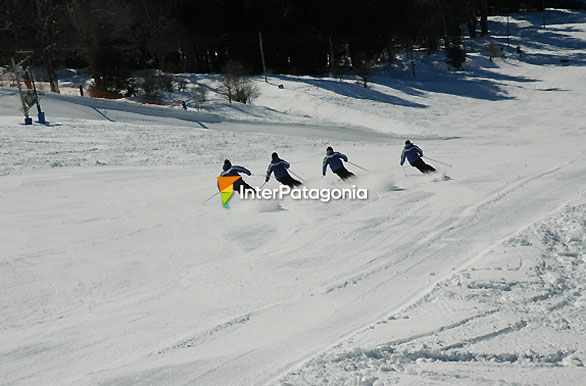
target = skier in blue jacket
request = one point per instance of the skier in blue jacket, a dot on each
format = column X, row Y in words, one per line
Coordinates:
column 229, row 170
column 279, row 167
column 334, row 159
column 413, row 154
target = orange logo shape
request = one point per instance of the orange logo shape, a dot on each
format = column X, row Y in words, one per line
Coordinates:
column 226, row 187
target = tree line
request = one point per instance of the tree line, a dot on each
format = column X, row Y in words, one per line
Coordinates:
column 113, row 38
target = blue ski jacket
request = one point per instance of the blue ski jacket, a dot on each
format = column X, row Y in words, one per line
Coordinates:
column 412, row 153
column 279, row 167
column 235, row 171
column 335, row 162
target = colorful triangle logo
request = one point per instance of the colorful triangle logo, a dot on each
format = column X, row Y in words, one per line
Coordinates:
column 226, row 187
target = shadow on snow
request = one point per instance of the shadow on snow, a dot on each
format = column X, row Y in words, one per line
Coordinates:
column 357, row 91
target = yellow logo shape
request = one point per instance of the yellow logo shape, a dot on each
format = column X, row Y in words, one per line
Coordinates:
column 226, row 186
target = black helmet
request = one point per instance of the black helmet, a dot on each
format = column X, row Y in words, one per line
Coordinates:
column 329, row 150
column 407, row 142
column 227, row 164
column 275, row 155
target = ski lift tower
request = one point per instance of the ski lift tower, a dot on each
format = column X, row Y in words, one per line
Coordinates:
column 30, row 97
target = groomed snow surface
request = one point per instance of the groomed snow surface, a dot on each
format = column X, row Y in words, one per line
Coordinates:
column 113, row 272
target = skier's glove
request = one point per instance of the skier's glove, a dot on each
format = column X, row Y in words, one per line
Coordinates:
column 266, row 180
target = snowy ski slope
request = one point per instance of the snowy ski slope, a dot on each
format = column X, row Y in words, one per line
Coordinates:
column 114, row 273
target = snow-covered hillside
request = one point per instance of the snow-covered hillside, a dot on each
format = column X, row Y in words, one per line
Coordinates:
column 113, row 271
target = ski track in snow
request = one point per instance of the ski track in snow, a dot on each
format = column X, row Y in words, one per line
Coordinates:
column 474, row 222
column 114, row 273
column 530, row 304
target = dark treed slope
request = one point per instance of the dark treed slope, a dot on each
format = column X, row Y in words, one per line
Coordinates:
column 112, row 38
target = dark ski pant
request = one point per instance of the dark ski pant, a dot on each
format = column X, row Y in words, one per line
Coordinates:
column 343, row 173
column 289, row 181
column 423, row 167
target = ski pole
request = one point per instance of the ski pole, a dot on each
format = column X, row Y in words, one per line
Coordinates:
column 404, row 172
column 296, row 175
column 262, row 186
column 212, row 196
column 359, row 167
column 439, row 162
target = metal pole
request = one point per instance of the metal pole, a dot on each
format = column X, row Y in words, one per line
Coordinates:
column 296, row 175
column 41, row 114
column 30, row 73
column 358, row 166
column 439, row 162
column 332, row 60
column 262, row 56
column 212, row 196
column 27, row 120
